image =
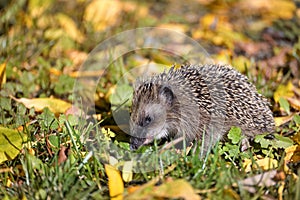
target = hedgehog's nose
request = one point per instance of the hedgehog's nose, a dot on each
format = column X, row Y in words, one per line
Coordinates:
column 135, row 142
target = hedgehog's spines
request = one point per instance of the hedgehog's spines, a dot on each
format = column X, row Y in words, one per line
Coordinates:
column 206, row 96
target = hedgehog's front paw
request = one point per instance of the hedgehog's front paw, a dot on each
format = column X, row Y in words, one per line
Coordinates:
column 245, row 144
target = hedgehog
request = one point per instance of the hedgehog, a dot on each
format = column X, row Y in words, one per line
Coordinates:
column 197, row 103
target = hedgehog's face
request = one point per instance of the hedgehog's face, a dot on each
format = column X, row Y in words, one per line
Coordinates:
column 149, row 114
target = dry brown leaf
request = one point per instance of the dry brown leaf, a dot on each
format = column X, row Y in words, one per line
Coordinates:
column 62, row 155
column 77, row 74
column 295, row 103
column 280, row 59
column 115, row 183
column 264, row 179
column 77, row 57
column 253, row 48
column 56, row 106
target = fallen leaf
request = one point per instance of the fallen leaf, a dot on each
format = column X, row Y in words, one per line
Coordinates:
column 267, row 163
column 282, row 120
column 56, row 106
column 284, row 91
column 295, row 103
column 127, row 171
column 271, row 10
column 172, row 189
column 37, row 7
column 79, row 74
column 264, row 163
column 219, row 30
column 240, row 63
column 289, row 152
column 55, row 71
column 69, row 27
column 264, row 179
column 77, row 57
column 280, row 59
column 2, row 74
column 10, row 143
column 62, row 155
column 176, row 189
column 296, row 137
column 102, row 13
column 115, row 183
column 251, row 48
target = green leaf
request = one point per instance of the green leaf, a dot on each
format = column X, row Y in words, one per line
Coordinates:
column 10, row 143
column 122, row 95
column 235, row 134
column 297, row 119
column 54, row 140
column 278, row 142
column 282, row 142
column 64, row 85
column 264, row 143
column 285, row 105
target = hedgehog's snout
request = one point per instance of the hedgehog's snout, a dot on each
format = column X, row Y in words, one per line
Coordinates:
column 136, row 142
column 138, row 136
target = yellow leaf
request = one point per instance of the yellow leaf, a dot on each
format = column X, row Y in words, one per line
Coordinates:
column 240, row 63
column 289, row 152
column 37, row 7
column 10, row 143
column 127, row 171
column 115, row 183
column 2, row 74
column 70, row 27
column 267, row 163
column 176, row 189
column 247, row 164
column 102, row 13
column 282, row 120
column 264, row 163
column 284, row 91
column 219, row 30
column 172, row 189
column 56, row 106
column 270, row 9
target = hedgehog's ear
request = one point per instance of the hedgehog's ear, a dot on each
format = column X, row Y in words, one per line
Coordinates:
column 166, row 95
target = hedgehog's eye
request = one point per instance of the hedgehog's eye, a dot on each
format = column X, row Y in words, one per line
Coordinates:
column 146, row 121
